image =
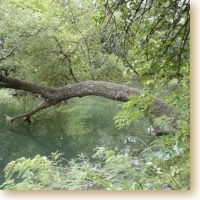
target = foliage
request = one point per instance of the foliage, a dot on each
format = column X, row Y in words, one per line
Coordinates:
column 71, row 50
column 153, row 35
column 129, row 112
column 150, row 170
column 140, row 43
column 175, row 146
column 29, row 170
column 174, row 92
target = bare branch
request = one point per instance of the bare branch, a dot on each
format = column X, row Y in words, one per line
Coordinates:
column 27, row 116
column 67, row 57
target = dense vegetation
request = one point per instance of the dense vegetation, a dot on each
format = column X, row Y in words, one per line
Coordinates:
column 140, row 44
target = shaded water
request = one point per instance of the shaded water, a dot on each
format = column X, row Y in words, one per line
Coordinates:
column 73, row 128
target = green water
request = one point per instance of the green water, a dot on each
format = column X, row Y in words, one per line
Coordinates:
column 73, row 128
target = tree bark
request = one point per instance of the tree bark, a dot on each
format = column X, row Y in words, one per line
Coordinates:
column 108, row 90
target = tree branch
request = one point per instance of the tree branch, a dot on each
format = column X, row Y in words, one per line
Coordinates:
column 67, row 57
column 108, row 90
column 27, row 116
column 14, row 83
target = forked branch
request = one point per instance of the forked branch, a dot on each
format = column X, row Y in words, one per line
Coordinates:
column 27, row 116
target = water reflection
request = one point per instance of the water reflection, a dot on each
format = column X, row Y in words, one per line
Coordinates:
column 78, row 127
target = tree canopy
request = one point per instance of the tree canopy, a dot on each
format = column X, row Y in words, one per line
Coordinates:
column 141, row 44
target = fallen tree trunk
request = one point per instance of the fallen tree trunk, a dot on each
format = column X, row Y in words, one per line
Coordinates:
column 108, row 90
